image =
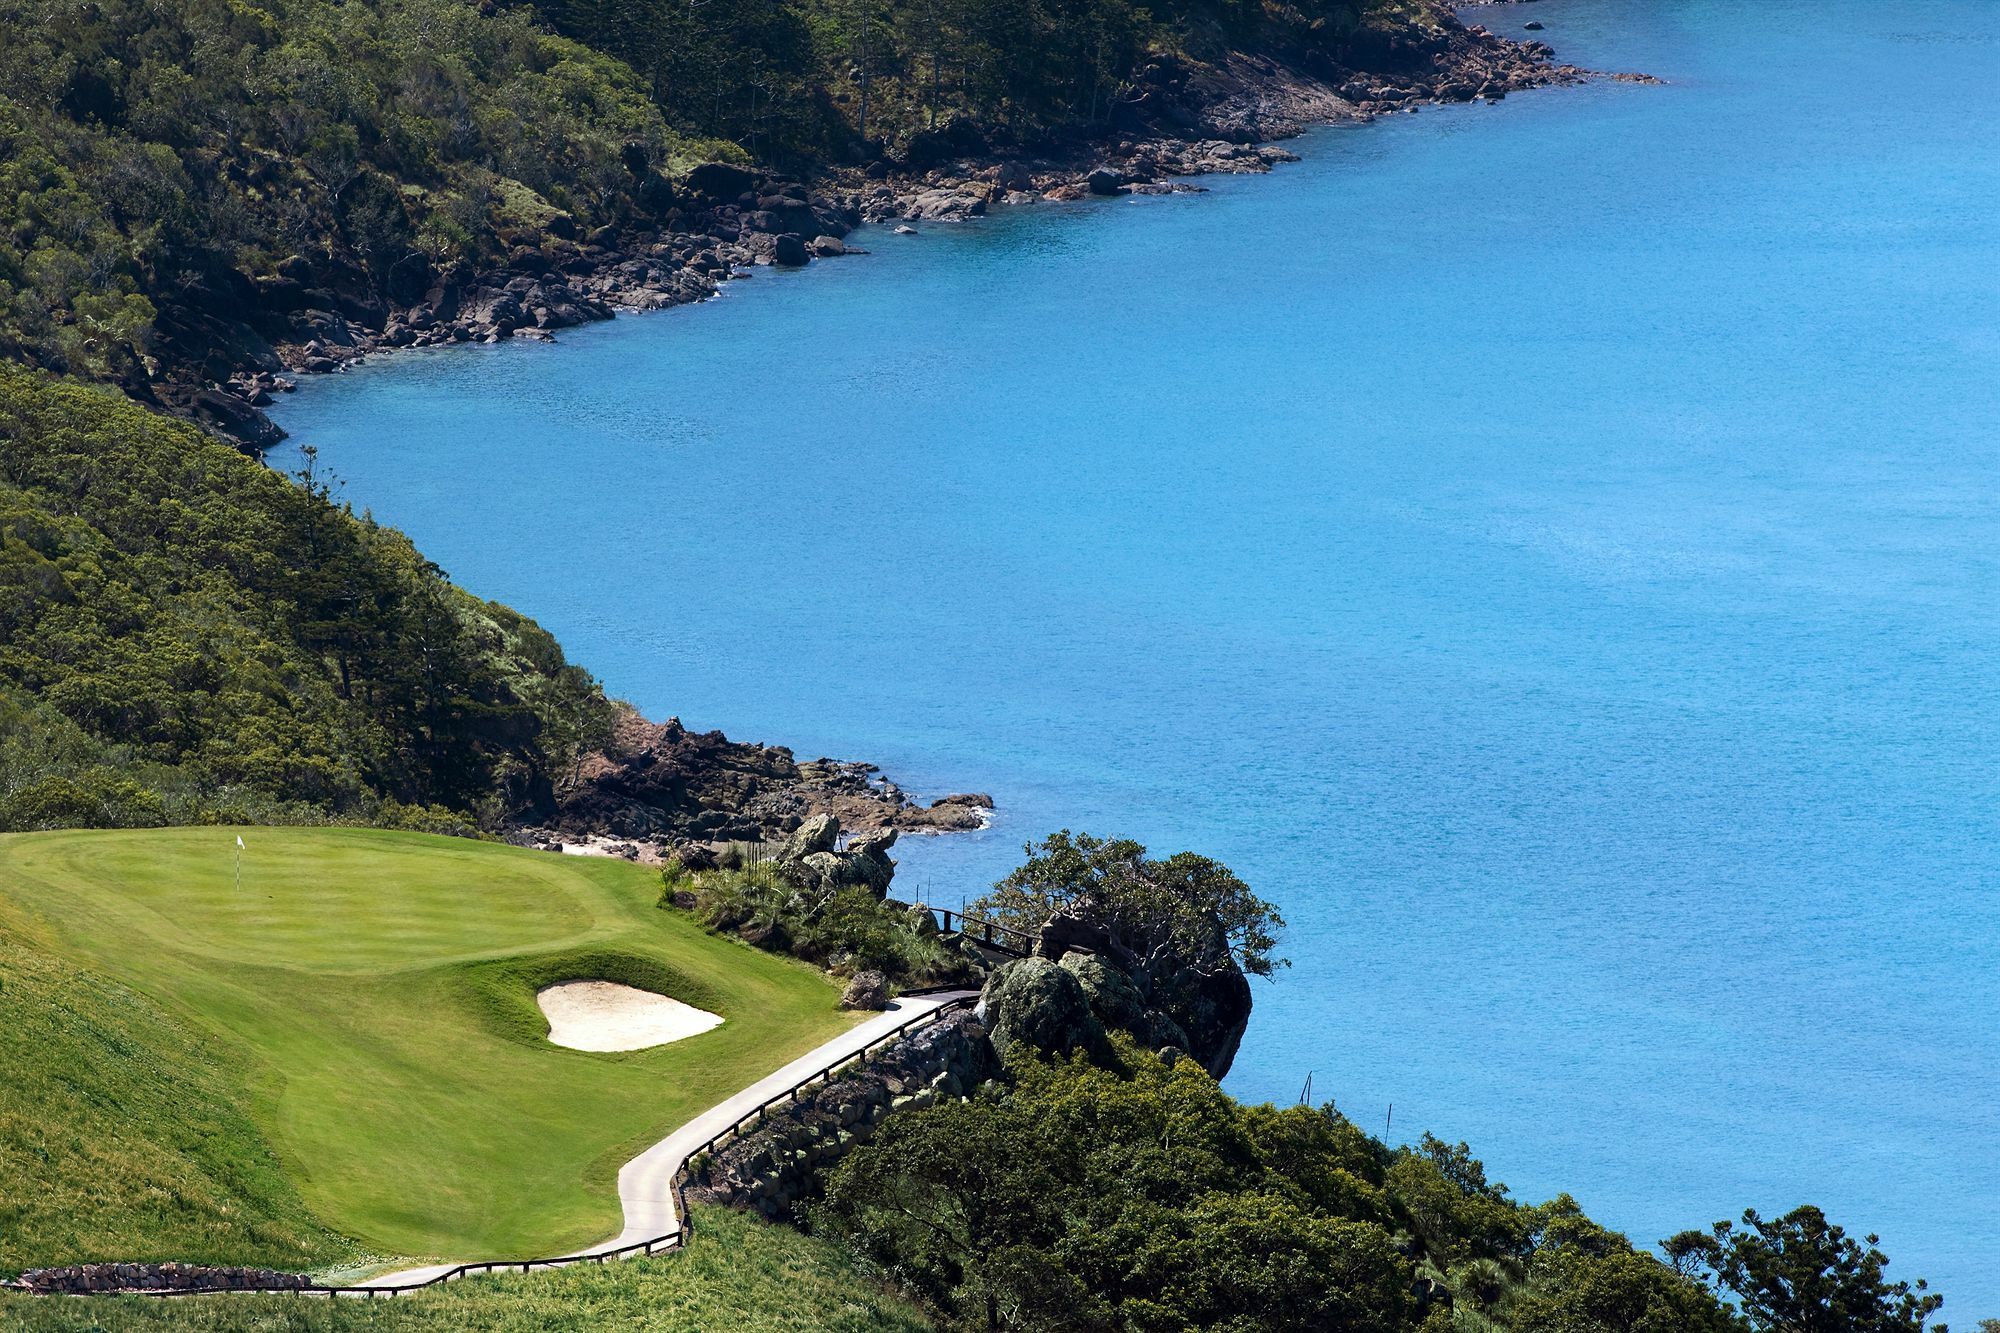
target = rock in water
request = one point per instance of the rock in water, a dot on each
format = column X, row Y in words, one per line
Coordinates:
column 1103, row 181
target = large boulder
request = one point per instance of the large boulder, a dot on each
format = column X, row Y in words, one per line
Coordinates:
column 1104, row 181
column 1112, row 996
column 875, row 842
column 817, row 834
column 1035, row 1003
column 944, row 205
column 820, row 869
column 808, row 858
column 1204, row 1009
column 1214, row 1011
column 788, row 250
column 868, row 990
column 1118, row 1003
column 868, row 854
column 720, row 182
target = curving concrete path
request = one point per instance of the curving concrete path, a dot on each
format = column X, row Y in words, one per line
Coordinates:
column 646, row 1183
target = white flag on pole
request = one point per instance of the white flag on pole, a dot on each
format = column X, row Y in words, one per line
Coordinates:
column 239, row 840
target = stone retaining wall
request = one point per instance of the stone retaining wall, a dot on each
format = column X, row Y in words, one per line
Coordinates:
column 772, row 1168
column 79, row 1278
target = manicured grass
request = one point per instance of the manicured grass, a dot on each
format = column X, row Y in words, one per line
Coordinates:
column 124, row 1133
column 738, row 1275
column 369, row 999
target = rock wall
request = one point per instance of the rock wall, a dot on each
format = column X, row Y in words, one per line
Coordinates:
column 77, row 1278
column 772, row 1169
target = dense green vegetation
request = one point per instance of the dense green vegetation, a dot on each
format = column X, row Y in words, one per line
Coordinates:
column 736, row 1274
column 1145, row 1198
column 171, row 175
column 845, row 930
column 364, row 1002
column 1800, row 1271
column 1141, row 1197
column 1188, row 911
column 187, row 636
column 811, row 77
column 151, row 152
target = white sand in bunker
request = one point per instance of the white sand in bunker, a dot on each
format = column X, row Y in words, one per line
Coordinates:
column 605, row 1016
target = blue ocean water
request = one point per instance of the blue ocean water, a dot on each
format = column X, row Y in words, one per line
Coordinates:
column 1550, row 548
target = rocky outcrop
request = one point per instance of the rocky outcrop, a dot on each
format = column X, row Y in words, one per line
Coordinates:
column 82, row 1278
column 664, row 788
column 811, row 860
column 1118, row 1003
column 1199, row 1005
column 774, row 1167
column 1034, row 1003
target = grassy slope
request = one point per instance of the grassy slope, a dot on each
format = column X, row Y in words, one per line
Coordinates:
column 738, row 1275
column 122, row 1133
column 372, row 995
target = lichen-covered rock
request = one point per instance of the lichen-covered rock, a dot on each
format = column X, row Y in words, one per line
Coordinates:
column 1204, row 1008
column 1036, row 1003
column 819, row 869
column 867, row 990
column 1113, row 997
column 817, row 834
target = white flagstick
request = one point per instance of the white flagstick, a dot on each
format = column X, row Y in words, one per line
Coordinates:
column 239, row 864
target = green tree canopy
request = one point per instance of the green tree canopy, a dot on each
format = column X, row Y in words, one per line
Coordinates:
column 1802, row 1274
column 1187, row 911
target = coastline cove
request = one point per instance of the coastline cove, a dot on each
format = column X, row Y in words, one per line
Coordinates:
column 1542, row 546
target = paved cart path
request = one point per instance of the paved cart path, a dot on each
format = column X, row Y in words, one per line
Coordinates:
column 646, row 1183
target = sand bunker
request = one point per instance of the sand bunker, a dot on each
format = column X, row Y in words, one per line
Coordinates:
column 605, row 1016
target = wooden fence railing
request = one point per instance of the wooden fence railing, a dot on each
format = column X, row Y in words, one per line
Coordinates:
column 672, row 1240
column 1004, row 939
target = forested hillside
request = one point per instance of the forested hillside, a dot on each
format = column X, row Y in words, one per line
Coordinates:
column 823, row 79
column 183, row 186
column 160, row 164
column 189, row 636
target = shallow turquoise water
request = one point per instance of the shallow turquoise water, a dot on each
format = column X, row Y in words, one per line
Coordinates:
column 1550, row 548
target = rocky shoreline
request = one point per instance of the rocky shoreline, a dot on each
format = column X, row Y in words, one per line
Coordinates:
column 725, row 221
column 658, row 790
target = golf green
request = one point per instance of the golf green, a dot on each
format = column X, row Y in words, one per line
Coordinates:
column 378, row 990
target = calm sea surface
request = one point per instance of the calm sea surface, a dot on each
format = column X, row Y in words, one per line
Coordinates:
column 1553, row 549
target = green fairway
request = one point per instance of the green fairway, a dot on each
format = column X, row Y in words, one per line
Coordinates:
column 373, row 995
